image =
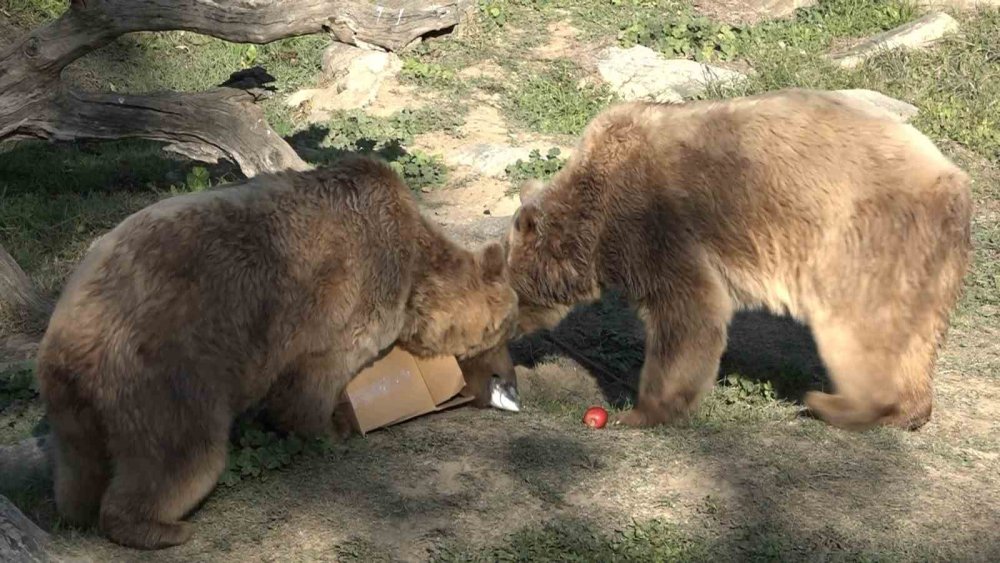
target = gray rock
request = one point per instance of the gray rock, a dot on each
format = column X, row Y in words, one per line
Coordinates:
column 880, row 104
column 353, row 77
column 917, row 34
column 639, row 73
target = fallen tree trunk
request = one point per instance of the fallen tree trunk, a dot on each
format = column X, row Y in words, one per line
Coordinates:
column 35, row 104
column 224, row 122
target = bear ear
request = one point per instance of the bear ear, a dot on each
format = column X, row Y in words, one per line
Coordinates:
column 530, row 188
column 526, row 219
column 493, row 261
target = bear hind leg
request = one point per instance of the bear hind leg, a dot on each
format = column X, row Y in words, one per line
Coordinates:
column 915, row 379
column 156, row 484
column 81, row 468
column 864, row 364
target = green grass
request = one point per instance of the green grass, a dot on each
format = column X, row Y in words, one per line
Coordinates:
column 955, row 85
column 20, row 409
column 429, row 74
column 568, row 539
column 820, row 27
column 59, row 197
column 554, row 100
column 29, row 13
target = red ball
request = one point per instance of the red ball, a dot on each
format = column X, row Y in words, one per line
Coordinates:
column 595, row 417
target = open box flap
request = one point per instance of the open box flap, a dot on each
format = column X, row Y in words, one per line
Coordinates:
column 399, row 387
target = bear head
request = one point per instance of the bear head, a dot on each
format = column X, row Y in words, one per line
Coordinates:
column 549, row 267
column 463, row 306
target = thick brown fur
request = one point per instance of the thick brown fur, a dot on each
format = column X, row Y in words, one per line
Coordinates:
column 192, row 310
column 793, row 201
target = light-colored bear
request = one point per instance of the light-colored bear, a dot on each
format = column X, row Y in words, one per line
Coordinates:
column 794, row 201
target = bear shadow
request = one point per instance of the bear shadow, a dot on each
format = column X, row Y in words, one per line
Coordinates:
column 313, row 144
column 607, row 339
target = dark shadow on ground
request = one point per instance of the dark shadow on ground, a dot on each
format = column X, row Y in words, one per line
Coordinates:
column 609, row 337
column 312, row 144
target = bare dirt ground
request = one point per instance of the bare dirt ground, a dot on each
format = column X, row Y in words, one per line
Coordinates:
column 469, row 478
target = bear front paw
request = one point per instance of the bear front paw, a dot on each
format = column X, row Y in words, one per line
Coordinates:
column 633, row 419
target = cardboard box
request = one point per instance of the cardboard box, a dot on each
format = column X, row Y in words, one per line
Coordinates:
column 399, row 387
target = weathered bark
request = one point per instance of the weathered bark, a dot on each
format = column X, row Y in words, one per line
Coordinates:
column 16, row 290
column 389, row 24
column 20, row 538
column 35, row 104
column 206, row 126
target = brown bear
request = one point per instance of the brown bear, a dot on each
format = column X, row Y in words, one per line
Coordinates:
column 192, row 310
column 794, row 201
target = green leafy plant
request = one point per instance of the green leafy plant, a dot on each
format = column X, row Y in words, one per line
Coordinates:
column 682, row 35
column 354, row 130
column 426, row 73
column 495, row 11
column 249, row 56
column 257, row 450
column 537, row 166
column 198, row 179
column 420, row 170
column 498, row 13
column 738, row 389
